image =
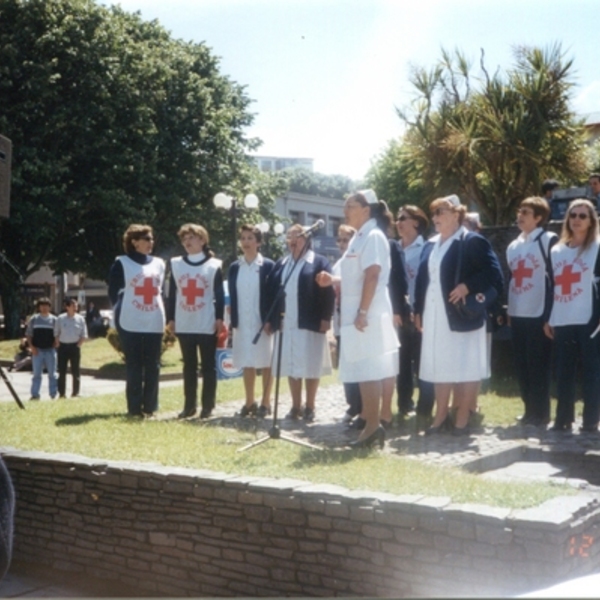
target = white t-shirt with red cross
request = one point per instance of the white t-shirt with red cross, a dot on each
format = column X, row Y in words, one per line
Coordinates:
column 195, row 303
column 527, row 290
column 573, row 284
column 142, row 307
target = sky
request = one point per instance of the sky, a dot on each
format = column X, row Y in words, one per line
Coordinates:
column 326, row 76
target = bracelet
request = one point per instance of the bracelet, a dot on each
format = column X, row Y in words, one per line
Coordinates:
column 362, row 311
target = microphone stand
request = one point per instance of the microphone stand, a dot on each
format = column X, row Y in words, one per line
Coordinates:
column 274, row 432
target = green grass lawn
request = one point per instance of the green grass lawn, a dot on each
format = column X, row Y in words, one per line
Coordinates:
column 97, row 427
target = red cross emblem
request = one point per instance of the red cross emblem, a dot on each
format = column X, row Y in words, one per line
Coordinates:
column 566, row 279
column 148, row 290
column 191, row 292
column 521, row 272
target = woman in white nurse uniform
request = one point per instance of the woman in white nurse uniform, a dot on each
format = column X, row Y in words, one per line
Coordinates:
column 369, row 343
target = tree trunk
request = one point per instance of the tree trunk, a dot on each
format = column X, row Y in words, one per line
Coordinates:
column 10, row 292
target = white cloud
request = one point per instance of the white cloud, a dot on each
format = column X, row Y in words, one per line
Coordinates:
column 588, row 99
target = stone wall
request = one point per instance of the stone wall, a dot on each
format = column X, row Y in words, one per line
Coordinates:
column 181, row 532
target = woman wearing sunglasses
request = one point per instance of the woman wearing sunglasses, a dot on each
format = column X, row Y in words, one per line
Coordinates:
column 134, row 287
column 575, row 315
column 453, row 353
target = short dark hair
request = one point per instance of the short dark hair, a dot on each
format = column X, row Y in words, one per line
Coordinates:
column 135, row 232
column 43, row 300
column 252, row 229
column 539, row 206
column 69, row 301
column 549, row 185
column 594, row 175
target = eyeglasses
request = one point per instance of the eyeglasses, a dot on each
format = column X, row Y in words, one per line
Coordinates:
column 343, row 240
column 577, row 215
column 440, row 211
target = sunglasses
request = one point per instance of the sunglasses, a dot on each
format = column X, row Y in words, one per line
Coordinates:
column 440, row 211
column 576, row 215
column 403, row 218
column 146, row 238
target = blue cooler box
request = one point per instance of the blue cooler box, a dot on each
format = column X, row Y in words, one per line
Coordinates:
column 225, row 368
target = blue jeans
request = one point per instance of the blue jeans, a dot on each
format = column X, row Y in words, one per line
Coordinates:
column 44, row 358
column 572, row 342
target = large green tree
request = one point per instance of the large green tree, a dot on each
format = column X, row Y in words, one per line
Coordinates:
column 492, row 140
column 112, row 122
column 303, row 181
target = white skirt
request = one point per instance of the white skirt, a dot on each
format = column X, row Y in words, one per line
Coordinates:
column 248, row 355
column 304, row 354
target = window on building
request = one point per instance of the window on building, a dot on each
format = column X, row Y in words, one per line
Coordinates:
column 296, row 217
column 333, row 225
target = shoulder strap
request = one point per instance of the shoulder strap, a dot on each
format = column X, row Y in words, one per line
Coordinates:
column 545, row 256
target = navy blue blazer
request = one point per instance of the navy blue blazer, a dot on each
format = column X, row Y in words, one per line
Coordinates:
column 264, row 290
column 398, row 284
column 315, row 304
column 480, row 270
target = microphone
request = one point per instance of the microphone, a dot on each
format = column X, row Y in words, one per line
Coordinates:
column 314, row 227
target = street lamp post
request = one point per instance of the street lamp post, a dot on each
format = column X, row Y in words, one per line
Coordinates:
column 264, row 228
column 225, row 202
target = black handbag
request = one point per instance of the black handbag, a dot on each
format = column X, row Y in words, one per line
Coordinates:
column 476, row 306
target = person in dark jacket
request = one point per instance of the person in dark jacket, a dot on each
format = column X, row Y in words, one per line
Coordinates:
column 250, row 301
column 308, row 310
column 454, row 264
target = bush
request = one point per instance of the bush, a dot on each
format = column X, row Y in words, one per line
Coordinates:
column 168, row 340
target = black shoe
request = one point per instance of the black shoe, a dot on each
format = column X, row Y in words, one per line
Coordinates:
column 387, row 425
column 34, row 398
column 358, row 424
column 564, row 428
column 294, row 413
column 263, row 411
column 186, row 414
column 309, row 415
column 377, row 437
column 460, row 431
column 205, row 413
column 435, row 430
column 248, row 411
column 588, row 429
